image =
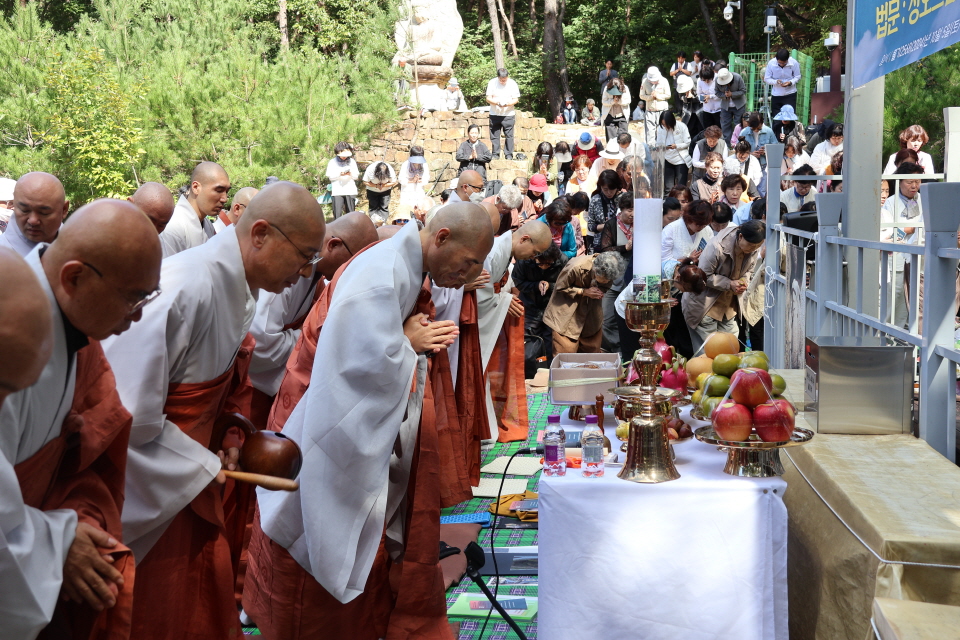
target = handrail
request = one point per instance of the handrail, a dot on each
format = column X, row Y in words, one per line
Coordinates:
column 953, row 254
column 809, row 235
column 897, row 247
column 874, row 323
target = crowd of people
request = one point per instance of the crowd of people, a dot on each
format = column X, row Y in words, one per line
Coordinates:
column 139, row 335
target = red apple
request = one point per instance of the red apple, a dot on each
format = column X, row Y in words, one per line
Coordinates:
column 773, row 421
column 732, row 421
column 750, row 387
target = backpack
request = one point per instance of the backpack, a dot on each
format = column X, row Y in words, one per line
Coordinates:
column 534, row 354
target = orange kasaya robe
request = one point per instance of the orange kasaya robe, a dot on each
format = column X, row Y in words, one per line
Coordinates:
column 505, row 372
column 401, row 600
column 471, row 403
column 190, row 569
column 83, row 469
column 239, row 498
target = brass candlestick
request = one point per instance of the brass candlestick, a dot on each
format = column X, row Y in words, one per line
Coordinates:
column 648, row 445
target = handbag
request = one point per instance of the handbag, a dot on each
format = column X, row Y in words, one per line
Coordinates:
column 534, row 354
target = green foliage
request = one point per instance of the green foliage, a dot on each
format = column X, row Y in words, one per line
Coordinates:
column 204, row 83
column 93, row 137
column 330, row 26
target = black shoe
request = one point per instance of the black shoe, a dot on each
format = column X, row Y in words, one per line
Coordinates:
column 509, row 157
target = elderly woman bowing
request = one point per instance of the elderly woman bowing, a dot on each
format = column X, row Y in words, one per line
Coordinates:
column 727, row 262
column 575, row 312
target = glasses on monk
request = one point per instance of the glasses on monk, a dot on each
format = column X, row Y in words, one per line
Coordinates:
column 143, row 297
column 344, row 243
column 475, row 187
column 310, row 260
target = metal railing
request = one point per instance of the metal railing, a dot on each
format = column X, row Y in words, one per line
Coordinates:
column 827, row 315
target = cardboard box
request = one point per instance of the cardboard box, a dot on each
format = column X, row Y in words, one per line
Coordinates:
column 581, row 386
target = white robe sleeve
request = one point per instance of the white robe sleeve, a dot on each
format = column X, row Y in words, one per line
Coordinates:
column 274, row 343
column 492, row 307
column 166, row 468
column 347, row 425
column 33, row 548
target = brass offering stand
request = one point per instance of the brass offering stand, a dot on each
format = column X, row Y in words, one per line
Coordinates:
column 648, row 449
column 753, row 458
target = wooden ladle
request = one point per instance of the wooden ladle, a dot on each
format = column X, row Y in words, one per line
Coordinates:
column 268, row 459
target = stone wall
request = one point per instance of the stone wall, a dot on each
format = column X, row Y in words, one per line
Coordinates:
column 441, row 133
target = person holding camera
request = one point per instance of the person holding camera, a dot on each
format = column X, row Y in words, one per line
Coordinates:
column 783, row 75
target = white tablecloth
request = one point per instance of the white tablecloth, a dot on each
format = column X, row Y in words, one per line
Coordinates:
column 702, row 557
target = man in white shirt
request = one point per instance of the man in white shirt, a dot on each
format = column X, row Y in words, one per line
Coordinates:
column 205, row 198
column 502, row 94
column 901, row 208
column 782, row 74
column 230, row 216
column 682, row 73
column 155, row 200
column 39, row 207
column 801, row 192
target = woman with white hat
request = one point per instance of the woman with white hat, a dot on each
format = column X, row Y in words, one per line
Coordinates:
column 674, row 138
column 414, row 176
column 655, row 91
column 616, row 107
column 609, row 159
column 343, row 173
column 453, row 99
column 790, row 125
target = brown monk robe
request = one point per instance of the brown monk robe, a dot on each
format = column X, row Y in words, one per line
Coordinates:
column 400, row 600
column 505, row 373
column 83, row 469
column 196, row 332
column 105, row 262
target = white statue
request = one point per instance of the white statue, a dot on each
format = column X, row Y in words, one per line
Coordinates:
column 427, row 38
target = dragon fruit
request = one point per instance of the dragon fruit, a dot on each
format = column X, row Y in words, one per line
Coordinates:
column 667, row 353
column 674, row 376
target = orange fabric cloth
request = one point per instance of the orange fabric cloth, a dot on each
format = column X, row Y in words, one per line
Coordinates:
column 401, row 601
column 83, row 469
column 471, row 405
column 185, row 589
column 505, row 372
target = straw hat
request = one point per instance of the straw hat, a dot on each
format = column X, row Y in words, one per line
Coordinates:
column 724, row 76
column 612, row 155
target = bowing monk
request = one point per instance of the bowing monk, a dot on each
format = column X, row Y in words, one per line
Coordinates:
column 190, row 225
column 354, row 553
column 276, row 325
column 230, row 216
column 39, row 207
column 65, row 437
column 24, row 315
column 175, row 371
column 155, row 200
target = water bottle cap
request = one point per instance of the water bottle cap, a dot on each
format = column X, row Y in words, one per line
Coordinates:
column 591, row 420
column 554, row 419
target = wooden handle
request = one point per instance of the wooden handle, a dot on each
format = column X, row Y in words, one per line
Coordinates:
column 273, row 483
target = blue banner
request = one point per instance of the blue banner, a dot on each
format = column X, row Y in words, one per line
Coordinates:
column 893, row 33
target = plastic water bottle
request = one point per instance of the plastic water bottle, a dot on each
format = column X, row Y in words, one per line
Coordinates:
column 554, row 448
column 591, row 443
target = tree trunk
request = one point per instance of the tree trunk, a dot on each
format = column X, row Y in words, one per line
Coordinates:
column 282, row 21
column 623, row 41
column 513, row 5
column 710, row 30
column 533, row 12
column 785, row 35
column 495, row 27
column 551, row 57
column 562, row 48
column 509, row 24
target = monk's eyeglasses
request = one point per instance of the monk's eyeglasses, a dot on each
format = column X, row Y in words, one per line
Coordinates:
column 143, row 298
column 310, row 260
column 345, row 246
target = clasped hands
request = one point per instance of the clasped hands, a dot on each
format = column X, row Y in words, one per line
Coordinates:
column 429, row 337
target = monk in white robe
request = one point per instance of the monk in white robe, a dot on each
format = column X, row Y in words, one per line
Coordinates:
column 501, row 321
column 24, row 315
column 175, row 371
column 190, row 225
column 230, row 215
column 63, row 440
column 358, row 426
column 155, row 200
column 39, row 207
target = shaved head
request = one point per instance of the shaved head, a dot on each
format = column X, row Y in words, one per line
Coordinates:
column 530, row 240
column 239, row 203
column 387, row 231
column 26, row 336
column 104, row 264
column 345, row 236
column 455, row 243
column 280, row 233
column 493, row 213
column 209, row 185
column 470, row 182
column 155, row 200
column 39, row 205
